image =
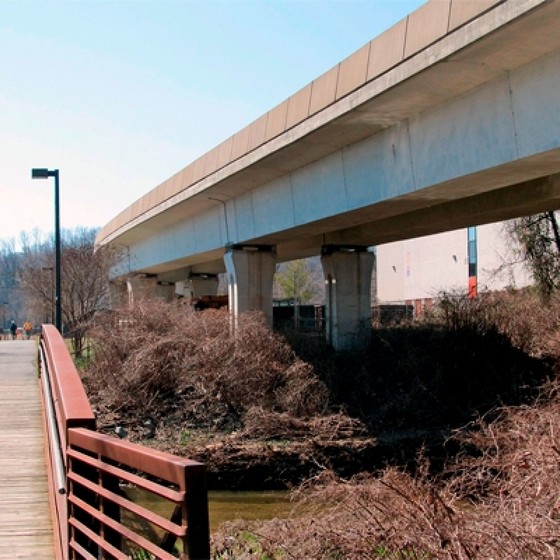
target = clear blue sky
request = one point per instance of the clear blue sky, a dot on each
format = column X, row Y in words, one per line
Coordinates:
column 119, row 95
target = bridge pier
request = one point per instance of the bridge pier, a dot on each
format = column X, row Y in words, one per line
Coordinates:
column 347, row 271
column 125, row 291
column 204, row 284
column 250, row 271
column 144, row 287
column 117, row 293
column 197, row 285
column 166, row 287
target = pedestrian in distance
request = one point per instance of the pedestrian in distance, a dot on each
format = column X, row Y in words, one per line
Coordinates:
column 13, row 330
column 27, row 328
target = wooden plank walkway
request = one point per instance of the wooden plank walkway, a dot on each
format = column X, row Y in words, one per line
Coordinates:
column 25, row 518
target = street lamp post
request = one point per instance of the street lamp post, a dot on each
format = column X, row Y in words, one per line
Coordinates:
column 45, row 174
column 52, row 296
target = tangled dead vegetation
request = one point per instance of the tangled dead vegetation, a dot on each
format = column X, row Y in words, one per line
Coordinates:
column 497, row 496
column 501, row 501
column 179, row 379
column 519, row 316
column 160, row 357
column 242, row 404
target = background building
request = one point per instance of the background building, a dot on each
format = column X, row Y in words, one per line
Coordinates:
column 415, row 271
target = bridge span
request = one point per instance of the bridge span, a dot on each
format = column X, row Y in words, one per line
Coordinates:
column 448, row 119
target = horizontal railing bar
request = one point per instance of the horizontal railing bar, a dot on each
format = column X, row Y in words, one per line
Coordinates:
column 72, row 405
column 98, row 540
column 151, row 461
column 169, row 526
column 52, row 427
column 176, row 496
column 127, row 533
column 79, row 548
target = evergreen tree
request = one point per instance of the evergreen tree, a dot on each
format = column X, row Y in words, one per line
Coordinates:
column 298, row 280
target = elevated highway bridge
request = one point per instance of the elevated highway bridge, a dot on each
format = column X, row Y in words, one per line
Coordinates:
column 448, row 119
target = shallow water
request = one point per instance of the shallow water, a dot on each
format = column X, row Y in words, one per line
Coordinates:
column 228, row 506
column 225, row 505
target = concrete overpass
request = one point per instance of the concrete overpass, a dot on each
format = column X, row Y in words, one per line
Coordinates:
column 450, row 118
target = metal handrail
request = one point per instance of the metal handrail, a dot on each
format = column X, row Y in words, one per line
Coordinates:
column 54, row 439
column 91, row 517
column 179, row 483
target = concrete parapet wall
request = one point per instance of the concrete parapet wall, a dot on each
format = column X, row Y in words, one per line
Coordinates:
column 411, row 35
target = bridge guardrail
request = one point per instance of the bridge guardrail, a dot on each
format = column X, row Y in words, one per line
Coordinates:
column 93, row 517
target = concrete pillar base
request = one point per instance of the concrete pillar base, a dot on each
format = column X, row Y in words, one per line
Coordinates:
column 141, row 287
column 347, row 271
column 118, row 294
column 250, row 270
column 197, row 285
column 203, row 285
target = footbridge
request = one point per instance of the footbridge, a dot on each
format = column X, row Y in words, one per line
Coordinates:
column 71, row 492
column 448, row 119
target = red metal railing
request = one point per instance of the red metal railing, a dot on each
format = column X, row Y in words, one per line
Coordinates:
column 92, row 477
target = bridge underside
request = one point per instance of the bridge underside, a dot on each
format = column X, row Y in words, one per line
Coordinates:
column 463, row 133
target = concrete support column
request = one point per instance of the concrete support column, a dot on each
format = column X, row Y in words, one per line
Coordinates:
column 347, row 271
column 250, row 271
column 141, row 287
column 197, row 285
column 118, row 293
column 165, row 291
column 204, row 285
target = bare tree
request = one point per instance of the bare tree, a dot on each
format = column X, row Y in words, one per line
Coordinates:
column 84, row 285
column 537, row 241
column 11, row 297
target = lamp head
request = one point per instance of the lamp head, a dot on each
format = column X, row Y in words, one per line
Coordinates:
column 40, row 173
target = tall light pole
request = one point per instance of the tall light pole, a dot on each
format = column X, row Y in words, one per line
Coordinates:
column 52, row 296
column 45, row 174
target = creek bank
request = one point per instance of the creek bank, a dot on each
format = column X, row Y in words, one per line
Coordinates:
column 265, row 413
column 238, row 462
column 266, row 465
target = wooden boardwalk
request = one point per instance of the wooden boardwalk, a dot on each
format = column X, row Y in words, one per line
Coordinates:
column 25, row 519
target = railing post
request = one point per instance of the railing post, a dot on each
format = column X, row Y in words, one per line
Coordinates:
column 197, row 541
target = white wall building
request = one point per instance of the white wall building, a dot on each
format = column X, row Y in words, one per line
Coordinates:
column 417, row 270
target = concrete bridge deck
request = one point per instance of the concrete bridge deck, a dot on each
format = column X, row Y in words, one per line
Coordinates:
column 447, row 120
column 25, row 519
